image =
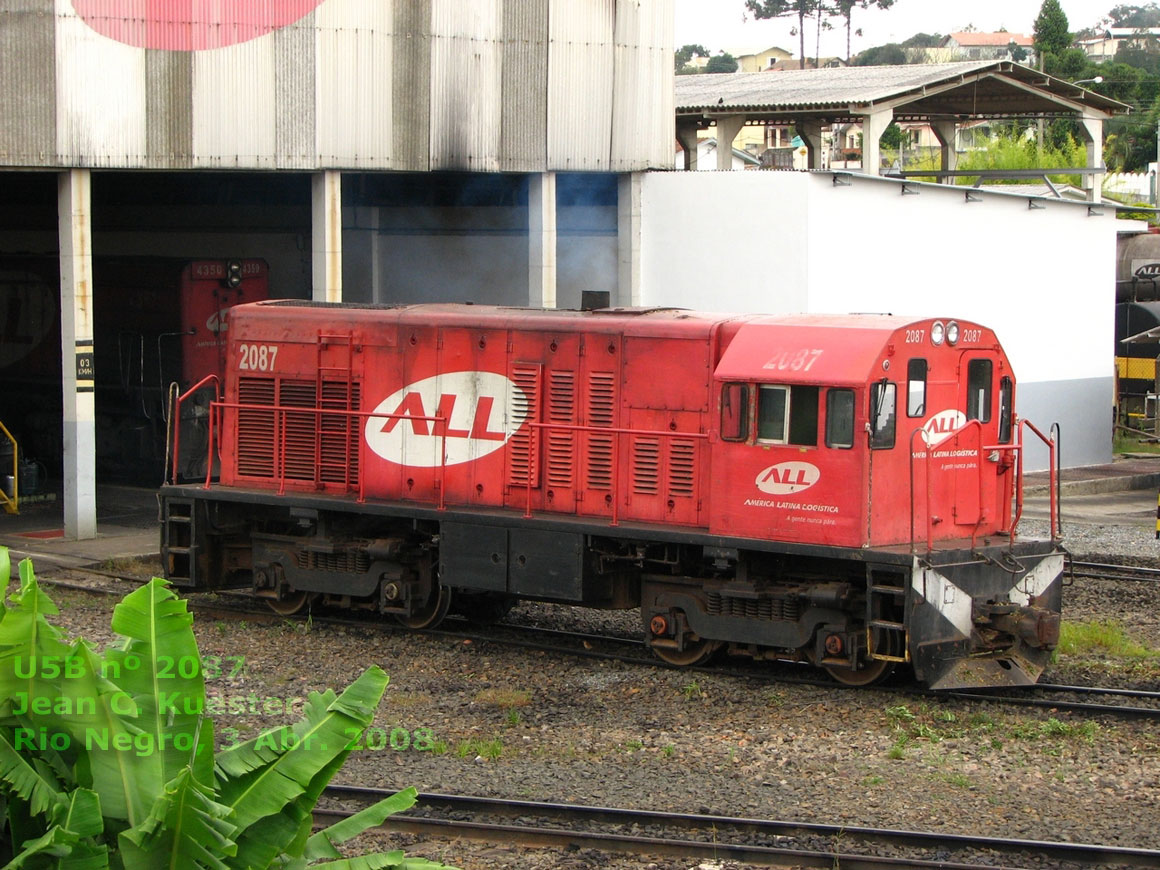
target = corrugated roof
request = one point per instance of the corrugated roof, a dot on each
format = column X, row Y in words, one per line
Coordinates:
column 969, row 89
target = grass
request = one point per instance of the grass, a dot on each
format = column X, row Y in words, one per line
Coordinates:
column 1102, row 637
column 692, row 690
column 1125, row 442
column 487, row 749
column 505, row 699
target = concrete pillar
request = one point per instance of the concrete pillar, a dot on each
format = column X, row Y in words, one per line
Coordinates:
column 727, row 130
column 687, row 136
column 542, row 240
column 811, row 133
column 873, row 126
column 628, row 239
column 326, row 235
column 74, row 213
column 1092, row 130
column 945, row 132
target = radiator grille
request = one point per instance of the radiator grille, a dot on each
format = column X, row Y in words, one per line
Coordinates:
column 682, row 467
column 601, row 412
column 561, row 443
column 524, row 464
column 646, row 466
column 318, row 447
column 256, row 428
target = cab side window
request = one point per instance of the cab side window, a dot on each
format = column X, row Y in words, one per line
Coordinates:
column 840, row 418
column 734, row 412
column 979, row 390
column 1006, row 393
column 882, row 415
column 916, row 388
column 787, row 415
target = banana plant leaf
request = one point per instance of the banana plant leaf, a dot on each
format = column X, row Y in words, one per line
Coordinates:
column 32, row 653
column 186, row 830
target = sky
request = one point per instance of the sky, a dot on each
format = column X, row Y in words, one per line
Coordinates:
column 722, row 24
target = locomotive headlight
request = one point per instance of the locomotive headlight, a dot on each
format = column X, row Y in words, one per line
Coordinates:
column 937, row 333
column 952, row 333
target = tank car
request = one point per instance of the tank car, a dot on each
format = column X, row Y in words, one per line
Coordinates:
column 842, row 490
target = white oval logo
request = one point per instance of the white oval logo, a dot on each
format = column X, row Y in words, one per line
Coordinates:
column 787, row 478
column 218, row 321
column 941, row 426
column 478, row 413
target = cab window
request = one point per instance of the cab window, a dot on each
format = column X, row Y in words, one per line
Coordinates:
column 979, row 390
column 1006, row 393
column 916, row 388
column 734, row 412
column 840, row 418
column 787, row 415
column 882, row 415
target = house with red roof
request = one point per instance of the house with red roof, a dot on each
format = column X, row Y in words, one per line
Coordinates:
column 970, row 45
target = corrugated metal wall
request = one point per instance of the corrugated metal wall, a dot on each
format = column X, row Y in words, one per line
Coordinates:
column 412, row 85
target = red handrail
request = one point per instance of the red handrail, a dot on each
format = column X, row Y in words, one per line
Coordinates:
column 1053, row 475
column 176, row 421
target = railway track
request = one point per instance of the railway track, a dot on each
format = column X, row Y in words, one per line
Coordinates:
column 715, row 837
column 1111, row 571
column 1127, row 703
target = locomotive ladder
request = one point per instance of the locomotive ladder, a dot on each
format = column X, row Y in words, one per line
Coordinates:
column 177, row 544
column 886, row 640
column 345, row 377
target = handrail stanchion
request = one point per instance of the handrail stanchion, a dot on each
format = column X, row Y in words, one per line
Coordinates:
column 175, row 420
column 912, row 505
column 1053, row 480
column 1056, row 434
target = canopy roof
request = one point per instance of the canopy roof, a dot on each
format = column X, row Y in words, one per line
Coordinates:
column 915, row 92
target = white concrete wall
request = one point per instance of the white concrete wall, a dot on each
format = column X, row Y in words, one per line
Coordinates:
column 775, row 242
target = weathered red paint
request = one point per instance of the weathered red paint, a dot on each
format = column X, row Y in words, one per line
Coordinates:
column 616, row 416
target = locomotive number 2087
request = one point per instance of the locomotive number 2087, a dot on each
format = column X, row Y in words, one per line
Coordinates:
column 257, row 357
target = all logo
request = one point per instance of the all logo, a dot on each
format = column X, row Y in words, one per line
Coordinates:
column 787, row 478
column 481, row 410
column 218, row 321
column 941, row 426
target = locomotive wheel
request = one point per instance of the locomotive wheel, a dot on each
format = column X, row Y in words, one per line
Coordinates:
column 870, row 673
column 294, row 602
column 431, row 613
column 695, row 653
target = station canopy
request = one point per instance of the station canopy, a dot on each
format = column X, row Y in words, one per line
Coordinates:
column 965, row 91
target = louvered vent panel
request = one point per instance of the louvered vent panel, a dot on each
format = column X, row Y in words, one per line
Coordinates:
column 682, row 465
column 561, row 442
column 299, row 429
column 255, row 428
column 646, row 466
column 523, row 447
column 339, row 434
column 601, row 412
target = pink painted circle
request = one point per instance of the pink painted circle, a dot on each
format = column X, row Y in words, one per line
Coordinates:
column 189, row 25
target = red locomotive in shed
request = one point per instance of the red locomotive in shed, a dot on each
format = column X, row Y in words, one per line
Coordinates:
column 831, row 489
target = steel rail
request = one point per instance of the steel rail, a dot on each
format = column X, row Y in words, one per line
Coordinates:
column 846, row 846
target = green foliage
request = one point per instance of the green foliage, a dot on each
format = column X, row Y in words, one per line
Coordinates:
column 1143, row 15
column 107, row 760
column 1051, row 33
column 1102, row 637
column 721, row 63
column 686, row 53
column 881, row 55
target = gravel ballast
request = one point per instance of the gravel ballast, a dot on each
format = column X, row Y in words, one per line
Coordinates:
column 499, row 721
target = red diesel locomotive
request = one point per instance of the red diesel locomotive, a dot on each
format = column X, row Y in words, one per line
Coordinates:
column 838, row 489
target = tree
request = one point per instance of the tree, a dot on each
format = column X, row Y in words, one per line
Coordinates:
column 686, row 53
column 721, row 63
column 1051, row 34
column 801, row 9
column 1018, row 53
column 845, row 9
column 1147, row 15
column 881, row 55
